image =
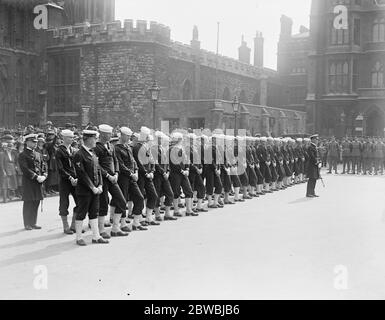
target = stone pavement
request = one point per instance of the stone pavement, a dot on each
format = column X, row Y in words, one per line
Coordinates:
column 280, row 246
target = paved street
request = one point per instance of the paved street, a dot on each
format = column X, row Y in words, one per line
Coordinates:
column 282, row 245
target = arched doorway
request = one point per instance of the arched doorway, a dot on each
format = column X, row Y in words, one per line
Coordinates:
column 375, row 123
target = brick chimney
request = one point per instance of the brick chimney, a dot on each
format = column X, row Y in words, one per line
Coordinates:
column 244, row 52
column 258, row 49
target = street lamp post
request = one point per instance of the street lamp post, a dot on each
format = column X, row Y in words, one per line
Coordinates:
column 155, row 90
column 235, row 105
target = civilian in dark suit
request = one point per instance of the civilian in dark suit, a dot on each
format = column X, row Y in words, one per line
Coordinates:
column 313, row 168
column 34, row 175
column 89, row 187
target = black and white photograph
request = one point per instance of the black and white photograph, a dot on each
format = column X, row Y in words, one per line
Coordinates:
column 170, row 150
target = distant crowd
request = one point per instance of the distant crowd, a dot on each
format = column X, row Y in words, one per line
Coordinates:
column 363, row 155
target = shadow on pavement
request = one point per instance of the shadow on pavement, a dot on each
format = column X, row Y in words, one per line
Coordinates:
column 47, row 252
column 11, row 233
column 32, row 240
column 305, row 199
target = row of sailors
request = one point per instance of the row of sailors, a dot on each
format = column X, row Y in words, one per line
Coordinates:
column 145, row 173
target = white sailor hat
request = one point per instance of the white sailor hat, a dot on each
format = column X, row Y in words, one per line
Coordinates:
column 105, row 128
column 145, row 130
column 299, row 139
column 125, row 130
column 263, row 139
column 314, row 136
column 270, row 139
column 175, row 136
column 306, row 140
column 192, row 135
column 90, row 133
column 144, row 133
column 277, row 140
column 31, row 137
column 158, row 134
column 67, row 133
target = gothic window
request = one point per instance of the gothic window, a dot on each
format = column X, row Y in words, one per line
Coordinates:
column 357, row 31
column 19, row 85
column 187, row 90
column 257, row 99
column 338, row 77
column 378, row 76
column 226, row 94
column 379, row 30
column 338, row 36
column 64, row 82
column 242, row 97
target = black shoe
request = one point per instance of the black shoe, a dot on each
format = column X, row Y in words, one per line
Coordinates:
column 229, row 202
column 139, row 228
column 100, row 241
column 125, row 229
column 81, row 243
column 144, row 223
column 315, row 196
column 159, row 219
column 192, row 214
column 213, row 206
column 202, row 210
column 29, row 228
column 170, row 218
column 309, row 196
column 178, row 215
column 153, row 223
column 68, row 231
column 36, row 227
column 74, row 230
column 105, row 235
column 119, row 234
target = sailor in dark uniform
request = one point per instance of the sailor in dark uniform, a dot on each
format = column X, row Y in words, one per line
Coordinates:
column 67, row 181
column 146, row 166
column 196, row 170
column 34, row 174
column 159, row 152
column 89, row 187
column 265, row 161
column 179, row 172
column 109, row 167
column 128, row 180
column 313, row 168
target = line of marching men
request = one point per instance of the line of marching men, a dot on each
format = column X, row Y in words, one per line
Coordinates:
column 137, row 180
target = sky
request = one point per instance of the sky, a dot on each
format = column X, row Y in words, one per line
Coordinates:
column 236, row 18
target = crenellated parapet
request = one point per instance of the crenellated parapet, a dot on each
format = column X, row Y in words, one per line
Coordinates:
column 209, row 59
column 86, row 33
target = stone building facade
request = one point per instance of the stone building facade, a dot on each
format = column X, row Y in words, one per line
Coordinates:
column 95, row 69
column 346, row 87
column 343, row 70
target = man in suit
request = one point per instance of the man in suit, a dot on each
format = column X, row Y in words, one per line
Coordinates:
column 33, row 177
column 67, row 179
column 89, row 187
column 314, row 165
